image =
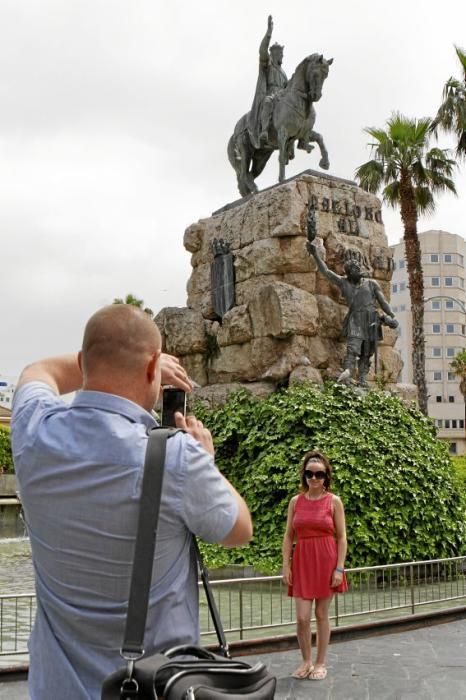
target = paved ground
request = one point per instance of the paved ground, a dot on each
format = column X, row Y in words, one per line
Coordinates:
column 424, row 664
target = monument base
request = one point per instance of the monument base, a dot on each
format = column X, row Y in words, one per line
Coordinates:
column 284, row 319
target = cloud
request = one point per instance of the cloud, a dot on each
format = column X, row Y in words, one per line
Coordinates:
column 114, row 121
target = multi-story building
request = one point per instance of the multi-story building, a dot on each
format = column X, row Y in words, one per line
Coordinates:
column 443, row 257
column 7, row 389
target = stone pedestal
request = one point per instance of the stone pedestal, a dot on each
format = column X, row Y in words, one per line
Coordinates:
column 286, row 322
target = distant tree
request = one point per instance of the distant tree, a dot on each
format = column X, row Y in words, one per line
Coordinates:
column 458, row 365
column 451, row 115
column 410, row 175
column 134, row 301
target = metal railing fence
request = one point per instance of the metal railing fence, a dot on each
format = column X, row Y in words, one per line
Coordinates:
column 260, row 607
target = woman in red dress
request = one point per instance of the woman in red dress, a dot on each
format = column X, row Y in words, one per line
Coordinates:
column 314, row 571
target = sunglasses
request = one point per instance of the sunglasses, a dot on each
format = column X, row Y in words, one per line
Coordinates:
column 317, row 475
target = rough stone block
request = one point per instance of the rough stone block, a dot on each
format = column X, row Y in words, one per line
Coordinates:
column 280, row 310
column 236, row 327
column 183, row 330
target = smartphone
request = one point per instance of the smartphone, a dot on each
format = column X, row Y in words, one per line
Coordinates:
column 173, row 401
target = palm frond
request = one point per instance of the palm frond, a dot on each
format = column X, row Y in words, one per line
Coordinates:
column 370, row 175
column 462, row 58
column 424, row 200
column 391, row 193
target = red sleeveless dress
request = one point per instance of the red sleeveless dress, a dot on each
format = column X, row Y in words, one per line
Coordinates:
column 315, row 553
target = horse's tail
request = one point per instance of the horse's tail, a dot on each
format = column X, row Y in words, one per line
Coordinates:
column 233, row 152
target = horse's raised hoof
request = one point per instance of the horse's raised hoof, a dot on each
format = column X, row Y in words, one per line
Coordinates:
column 305, row 146
column 324, row 164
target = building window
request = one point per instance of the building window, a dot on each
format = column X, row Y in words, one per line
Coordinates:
column 434, row 258
column 448, row 258
column 394, row 288
column 451, row 377
column 450, row 352
column 449, row 304
column 461, row 423
column 401, row 264
column 451, row 399
column 438, row 399
column 453, row 448
column 461, row 282
column 448, row 281
column 437, row 376
column 403, row 307
column 447, row 423
column 436, row 352
column 402, row 286
column 436, row 328
column 436, row 305
column 461, row 259
column 454, row 423
column 439, row 422
column 435, row 281
column 450, row 327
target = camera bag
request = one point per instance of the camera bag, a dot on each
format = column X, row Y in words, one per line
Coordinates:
column 183, row 672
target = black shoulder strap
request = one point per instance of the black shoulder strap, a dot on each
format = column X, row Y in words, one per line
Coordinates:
column 133, row 641
column 222, row 641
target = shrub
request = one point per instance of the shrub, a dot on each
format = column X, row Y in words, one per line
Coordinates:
column 392, row 473
column 6, row 458
column 459, row 466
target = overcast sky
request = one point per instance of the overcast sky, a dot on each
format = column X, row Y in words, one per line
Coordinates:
column 114, row 120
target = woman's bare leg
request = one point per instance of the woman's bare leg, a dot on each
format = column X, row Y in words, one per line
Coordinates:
column 303, row 630
column 323, row 636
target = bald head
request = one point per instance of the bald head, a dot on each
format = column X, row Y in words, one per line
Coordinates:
column 118, row 339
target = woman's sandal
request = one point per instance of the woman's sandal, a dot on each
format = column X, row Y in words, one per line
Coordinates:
column 318, row 673
column 303, row 671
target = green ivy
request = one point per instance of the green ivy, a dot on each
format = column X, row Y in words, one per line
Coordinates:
column 6, row 458
column 394, row 476
column 459, row 464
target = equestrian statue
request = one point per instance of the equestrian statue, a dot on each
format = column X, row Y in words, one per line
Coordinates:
column 282, row 112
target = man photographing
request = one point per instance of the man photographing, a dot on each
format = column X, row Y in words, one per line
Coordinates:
column 79, row 469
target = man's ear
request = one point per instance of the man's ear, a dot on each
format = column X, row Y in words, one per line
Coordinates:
column 152, row 366
column 80, row 360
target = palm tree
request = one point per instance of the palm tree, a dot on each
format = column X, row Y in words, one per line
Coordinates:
column 451, row 115
column 458, row 365
column 134, row 301
column 410, row 174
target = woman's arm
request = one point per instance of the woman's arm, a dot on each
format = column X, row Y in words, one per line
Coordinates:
column 340, row 535
column 288, row 539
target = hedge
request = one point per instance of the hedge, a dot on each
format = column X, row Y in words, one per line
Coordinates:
column 394, row 476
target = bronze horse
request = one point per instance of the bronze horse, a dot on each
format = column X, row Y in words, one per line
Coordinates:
column 293, row 119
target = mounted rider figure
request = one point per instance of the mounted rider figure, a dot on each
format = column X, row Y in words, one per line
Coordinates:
column 271, row 80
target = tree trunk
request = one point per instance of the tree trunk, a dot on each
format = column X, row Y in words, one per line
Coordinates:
column 416, row 286
column 463, row 391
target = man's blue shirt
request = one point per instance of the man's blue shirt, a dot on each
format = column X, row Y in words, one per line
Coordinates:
column 79, row 469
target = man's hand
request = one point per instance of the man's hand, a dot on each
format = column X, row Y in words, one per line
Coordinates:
column 196, row 429
column 173, row 373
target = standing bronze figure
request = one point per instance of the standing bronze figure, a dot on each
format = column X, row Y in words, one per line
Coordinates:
column 282, row 113
column 362, row 323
